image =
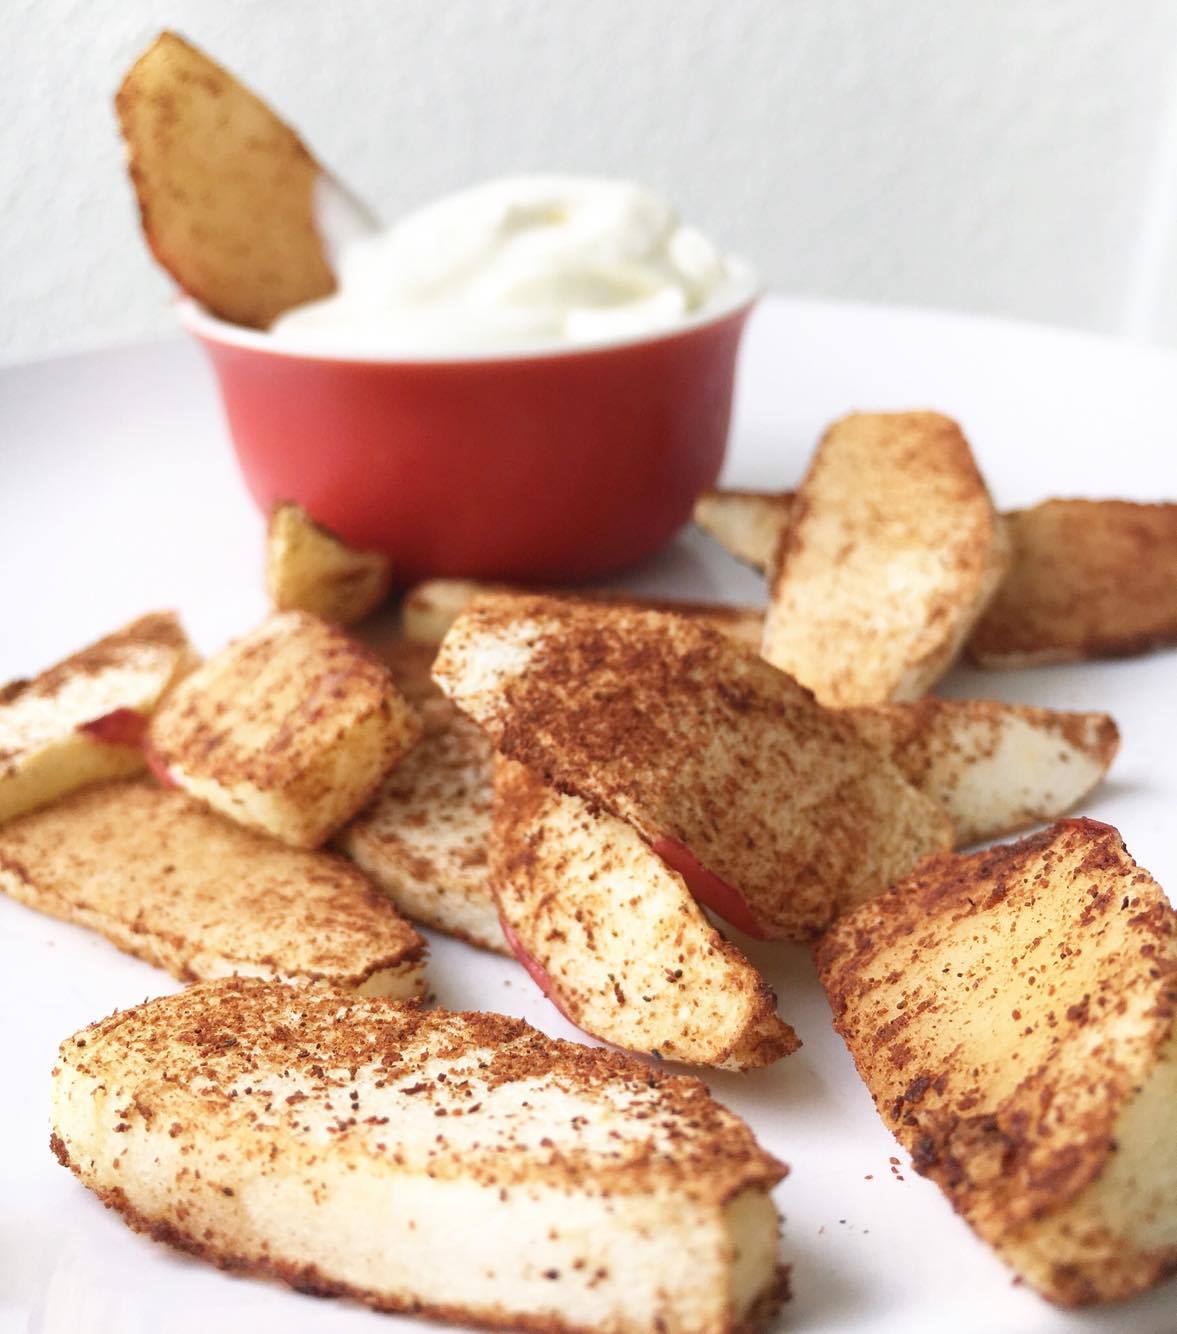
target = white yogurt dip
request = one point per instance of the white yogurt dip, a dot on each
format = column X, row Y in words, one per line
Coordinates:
column 518, row 263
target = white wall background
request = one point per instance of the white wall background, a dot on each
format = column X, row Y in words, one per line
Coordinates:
column 1015, row 156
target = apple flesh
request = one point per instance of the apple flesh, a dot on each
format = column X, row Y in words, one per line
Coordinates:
column 120, row 727
column 707, row 888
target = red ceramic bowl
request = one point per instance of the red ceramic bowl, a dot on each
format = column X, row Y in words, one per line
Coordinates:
column 546, row 466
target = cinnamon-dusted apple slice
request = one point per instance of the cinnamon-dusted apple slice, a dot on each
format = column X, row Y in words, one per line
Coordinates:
column 84, row 719
column 288, row 730
column 430, row 608
column 461, row 1166
column 995, row 768
column 170, row 882
column 749, row 524
column 230, row 199
column 308, row 568
column 893, row 551
column 1086, row 578
column 1089, row 579
column 424, row 836
column 776, row 811
column 1012, row 1013
column 615, row 939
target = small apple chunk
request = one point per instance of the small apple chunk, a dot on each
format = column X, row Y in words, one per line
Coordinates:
column 748, row 524
column 308, row 568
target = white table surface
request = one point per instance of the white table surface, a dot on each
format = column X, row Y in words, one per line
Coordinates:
column 118, row 494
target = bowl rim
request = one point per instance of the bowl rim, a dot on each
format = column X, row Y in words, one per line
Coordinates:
column 196, row 320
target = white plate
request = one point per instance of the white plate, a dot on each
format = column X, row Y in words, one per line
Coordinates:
column 119, row 494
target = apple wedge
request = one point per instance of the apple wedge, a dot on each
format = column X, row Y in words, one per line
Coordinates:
column 776, row 811
column 309, row 569
column 1012, row 1013
column 424, row 836
column 431, row 608
column 995, row 768
column 83, row 720
column 749, row 524
column 615, row 939
column 172, row 883
column 229, row 197
column 1089, row 579
column 458, row 1166
column 288, row 730
column 893, row 551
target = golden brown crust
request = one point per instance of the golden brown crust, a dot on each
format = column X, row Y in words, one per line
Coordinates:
column 225, row 188
column 627, row 954
column 892, row 551
column 1005, row 1009
column 1089, row 579
column 688, row 736
column 186, row 890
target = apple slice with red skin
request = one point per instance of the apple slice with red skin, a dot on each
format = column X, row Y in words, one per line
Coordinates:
column 536, row 971
column 159, row 770
column 707, row 888
column 720, row 892
column 120, row 727
column 777, row 812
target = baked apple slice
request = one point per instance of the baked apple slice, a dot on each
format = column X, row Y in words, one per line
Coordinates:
column 726, row 765
column 1012, row 1013
column 230, row 197
column 892, row 552
column 83, row 720
column 995, row 768
column 288, row 730
column 613, row 937
column 748, row 524
column 1089, row 579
